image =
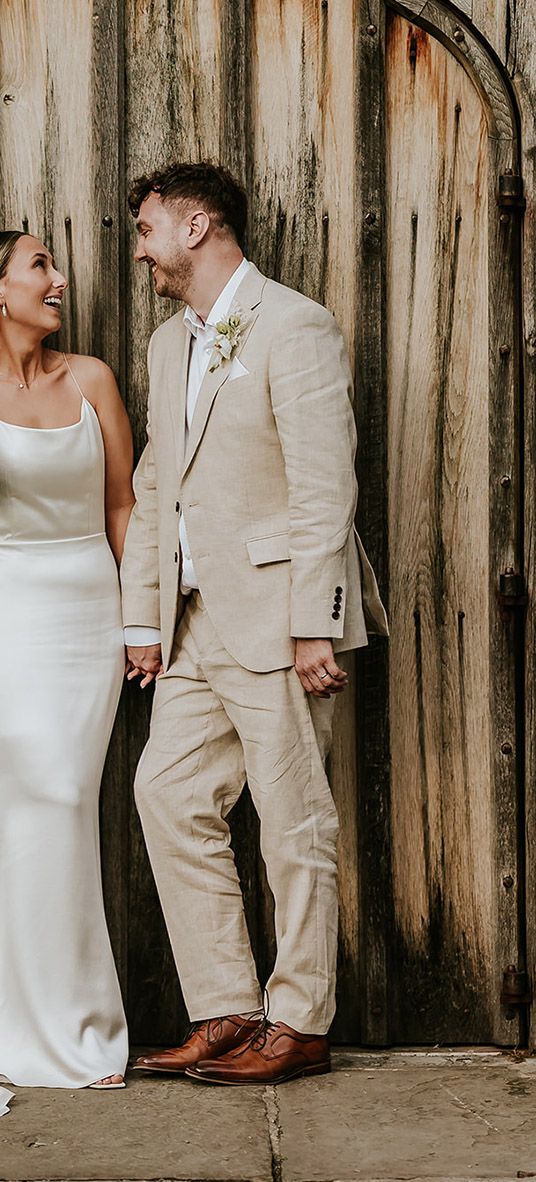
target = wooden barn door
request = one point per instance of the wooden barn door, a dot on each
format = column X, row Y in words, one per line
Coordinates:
column 426, row 765
column 453, row 872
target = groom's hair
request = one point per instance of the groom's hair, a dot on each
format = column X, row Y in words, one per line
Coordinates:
column 212, row 186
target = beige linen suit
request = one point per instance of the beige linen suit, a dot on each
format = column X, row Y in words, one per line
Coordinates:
column 265, row 480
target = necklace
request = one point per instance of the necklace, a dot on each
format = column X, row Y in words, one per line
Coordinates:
column 19, row 385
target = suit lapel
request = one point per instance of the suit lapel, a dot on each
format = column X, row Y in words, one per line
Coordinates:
column 176, row 382
column 247, row 301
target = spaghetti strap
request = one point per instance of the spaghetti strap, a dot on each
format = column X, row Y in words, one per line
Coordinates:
column 77, row 384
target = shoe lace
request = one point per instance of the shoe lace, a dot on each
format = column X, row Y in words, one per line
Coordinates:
column 213, row 1029
column 214, row 1026
column 258, row 1038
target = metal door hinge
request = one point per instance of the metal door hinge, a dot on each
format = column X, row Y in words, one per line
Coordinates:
column 511, row 593
column 516, row 989
column 510, row 194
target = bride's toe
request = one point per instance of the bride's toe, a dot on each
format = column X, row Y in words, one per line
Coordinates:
column 108, row 1081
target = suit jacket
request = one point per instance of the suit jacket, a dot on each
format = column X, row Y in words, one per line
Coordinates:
column 265, row 481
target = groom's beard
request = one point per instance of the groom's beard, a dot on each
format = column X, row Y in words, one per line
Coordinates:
column 173, row 276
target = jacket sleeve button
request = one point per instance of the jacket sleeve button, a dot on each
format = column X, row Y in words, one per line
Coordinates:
column 338, row 590
column 335, row 615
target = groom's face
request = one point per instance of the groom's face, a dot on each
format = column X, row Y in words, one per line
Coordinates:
column 162, row 234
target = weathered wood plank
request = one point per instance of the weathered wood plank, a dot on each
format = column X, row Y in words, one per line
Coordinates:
column 107, row 341
column 375, row 891
column 303, row 149
column 492, row 19
column 46, row 130
column 506, row 553
column 522, row 66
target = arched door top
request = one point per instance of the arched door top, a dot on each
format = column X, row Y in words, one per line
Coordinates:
column 457, row 35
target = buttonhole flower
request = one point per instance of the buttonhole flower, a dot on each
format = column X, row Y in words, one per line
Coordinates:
column 226, row 341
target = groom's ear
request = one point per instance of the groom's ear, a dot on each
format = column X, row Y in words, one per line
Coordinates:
column 198, row 227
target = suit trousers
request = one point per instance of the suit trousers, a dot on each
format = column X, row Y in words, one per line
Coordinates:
column 215, row 725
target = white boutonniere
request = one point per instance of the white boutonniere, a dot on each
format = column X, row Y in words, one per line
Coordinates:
column 226, row 341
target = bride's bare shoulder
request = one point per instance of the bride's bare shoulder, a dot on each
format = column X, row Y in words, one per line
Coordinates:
column 95, row 378
column 90, row 368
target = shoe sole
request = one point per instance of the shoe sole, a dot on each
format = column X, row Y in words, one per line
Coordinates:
column 318, row 1069
column 159, row 1070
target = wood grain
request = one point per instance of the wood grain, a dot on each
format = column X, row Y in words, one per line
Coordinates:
column 46, row 131
column 492, row 18
column 376, row 972
column 303, row 184
column 107, row 340
column 522, row 67
column 442, row 585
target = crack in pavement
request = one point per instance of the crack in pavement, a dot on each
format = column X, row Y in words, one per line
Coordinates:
column 271, row 1105
column 468, row 1108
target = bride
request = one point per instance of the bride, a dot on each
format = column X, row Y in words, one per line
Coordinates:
column 65, row 500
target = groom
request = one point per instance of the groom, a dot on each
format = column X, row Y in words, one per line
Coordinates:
column 242, row 579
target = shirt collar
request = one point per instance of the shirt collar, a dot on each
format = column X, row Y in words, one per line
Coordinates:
column 220, row 307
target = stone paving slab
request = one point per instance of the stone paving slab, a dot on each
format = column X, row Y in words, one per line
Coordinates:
column 435, row 1116
column 161, row 1129
column 410, row 1122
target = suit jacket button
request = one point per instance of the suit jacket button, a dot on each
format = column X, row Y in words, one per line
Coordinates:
column 177, row 507
column 176, row 556
column 335, row 615
column 338, row 590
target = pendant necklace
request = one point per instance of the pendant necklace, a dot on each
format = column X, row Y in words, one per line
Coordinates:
column 19, row 385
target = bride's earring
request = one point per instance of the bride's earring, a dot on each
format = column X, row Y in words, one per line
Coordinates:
column 4, row 310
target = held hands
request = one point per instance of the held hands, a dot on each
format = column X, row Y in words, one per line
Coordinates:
column 314, row 663
column 144, row 662
column 317, row 669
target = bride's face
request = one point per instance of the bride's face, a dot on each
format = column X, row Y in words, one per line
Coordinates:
column 32, row 289
column 162, row 238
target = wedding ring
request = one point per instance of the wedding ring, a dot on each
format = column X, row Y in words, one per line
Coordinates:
column 323, row 675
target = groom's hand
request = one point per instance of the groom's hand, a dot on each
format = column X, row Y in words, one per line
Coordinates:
column 144, row 662
column 317, row 668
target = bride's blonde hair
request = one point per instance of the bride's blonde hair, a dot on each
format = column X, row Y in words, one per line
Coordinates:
column 8, row 242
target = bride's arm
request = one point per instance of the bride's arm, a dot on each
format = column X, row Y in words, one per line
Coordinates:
column 100, row 386
column 118, row 450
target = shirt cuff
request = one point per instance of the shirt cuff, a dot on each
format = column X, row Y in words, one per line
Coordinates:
column 139, row 635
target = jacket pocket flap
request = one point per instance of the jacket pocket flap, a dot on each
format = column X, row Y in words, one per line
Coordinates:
column 274, row 548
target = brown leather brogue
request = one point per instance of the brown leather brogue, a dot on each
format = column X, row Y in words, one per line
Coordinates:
column 272, row 1054
column 206, row 1040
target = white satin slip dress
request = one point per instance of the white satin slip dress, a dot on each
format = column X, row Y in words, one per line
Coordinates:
column 62, row 1022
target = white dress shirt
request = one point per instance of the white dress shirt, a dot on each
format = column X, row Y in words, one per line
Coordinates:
column 203, row 336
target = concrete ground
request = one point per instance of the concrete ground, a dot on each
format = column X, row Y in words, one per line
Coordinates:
column 404, row 1115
